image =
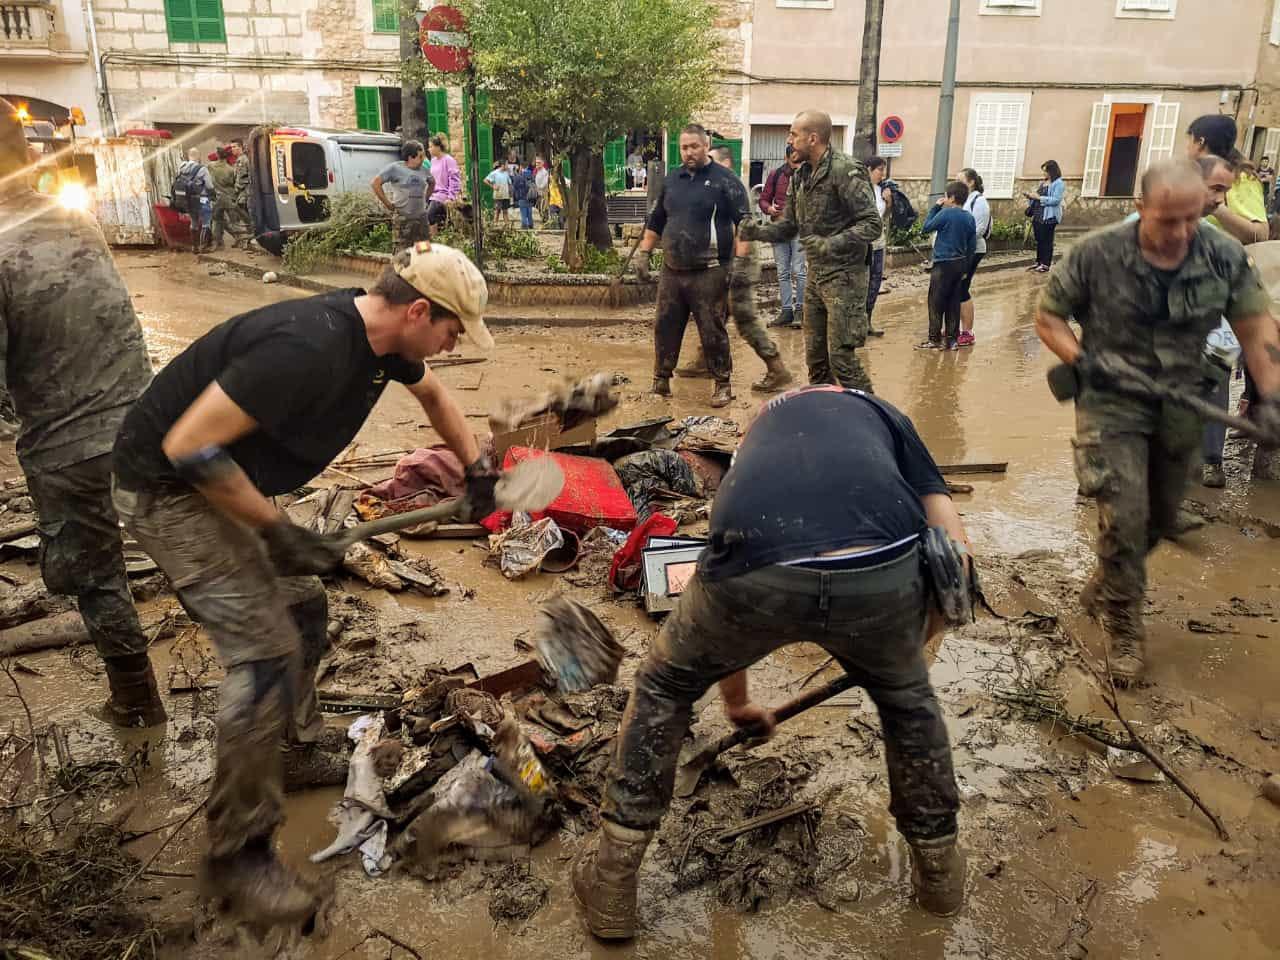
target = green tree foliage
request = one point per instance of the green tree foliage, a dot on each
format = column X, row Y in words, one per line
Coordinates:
column 573, row 74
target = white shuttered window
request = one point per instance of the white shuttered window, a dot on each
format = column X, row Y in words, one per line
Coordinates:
column 1275, row 24
column 997, row 139
column 1155, row 9
column 1164, row 132
column 1095, row 154
column 1022, row 7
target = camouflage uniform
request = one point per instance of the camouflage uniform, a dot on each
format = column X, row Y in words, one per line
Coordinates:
column 227, row 215
column 242, row 185
column 1134, row 455
column 73, row 356
column 834, row 203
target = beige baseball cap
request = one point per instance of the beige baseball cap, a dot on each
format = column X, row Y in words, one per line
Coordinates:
column 446, row 275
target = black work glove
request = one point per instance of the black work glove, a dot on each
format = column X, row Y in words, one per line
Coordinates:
column 297, row 552
column 478, row 502
column 749, row 229
column 1265, row 415
column 642, row 266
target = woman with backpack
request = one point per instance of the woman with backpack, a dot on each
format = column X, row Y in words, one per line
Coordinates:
column 1053, row 190
column 977, row 205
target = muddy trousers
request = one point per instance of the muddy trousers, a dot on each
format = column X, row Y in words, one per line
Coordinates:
column 223, row 577
column 1215, row 433
column 872, row 621
column 705, row 295
column 946, row 287
column 742, row 305
column 1138, row 482
column 81, row 554
column 875, row 281
column 835, row 327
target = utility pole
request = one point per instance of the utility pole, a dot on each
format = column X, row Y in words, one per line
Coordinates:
column 864, row 134
column 473, row 167
column 946, row 107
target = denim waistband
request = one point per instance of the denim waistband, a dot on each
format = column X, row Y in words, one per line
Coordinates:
column 888, row 575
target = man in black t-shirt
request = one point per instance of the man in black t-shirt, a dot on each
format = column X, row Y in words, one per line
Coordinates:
column 814, row 537
column 255, row 408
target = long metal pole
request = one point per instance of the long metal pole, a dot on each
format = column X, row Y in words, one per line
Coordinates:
column 946, row 107
column 473, row 169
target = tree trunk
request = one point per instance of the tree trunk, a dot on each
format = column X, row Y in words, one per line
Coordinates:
column 598, row 234
column 413, row 108
column 864, row 131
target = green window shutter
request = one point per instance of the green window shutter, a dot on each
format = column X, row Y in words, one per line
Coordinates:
column 484, row 142
column 615, row 165
column 735, row 148
column 386, row 16
column 209, row 24
column 438, row 112
column 368, row 109
column 180, row 17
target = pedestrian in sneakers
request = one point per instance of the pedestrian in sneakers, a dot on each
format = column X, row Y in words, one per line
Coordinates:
column 787, row 254
column 977, row 205
column 953, row 251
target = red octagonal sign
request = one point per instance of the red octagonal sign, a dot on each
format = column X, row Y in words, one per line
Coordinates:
column 444, row 39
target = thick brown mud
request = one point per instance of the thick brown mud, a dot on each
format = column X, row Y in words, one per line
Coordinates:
column 1064, row 858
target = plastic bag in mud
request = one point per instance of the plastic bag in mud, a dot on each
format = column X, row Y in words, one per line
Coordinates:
column 648, row 475
column 520, row 548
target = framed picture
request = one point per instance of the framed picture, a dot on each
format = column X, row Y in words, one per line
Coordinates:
column 667, row 572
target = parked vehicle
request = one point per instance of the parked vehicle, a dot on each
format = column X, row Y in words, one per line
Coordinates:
column 294, row 170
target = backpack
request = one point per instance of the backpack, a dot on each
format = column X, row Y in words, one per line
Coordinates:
column 532, row 194
column 184, row 195
column 903, row 215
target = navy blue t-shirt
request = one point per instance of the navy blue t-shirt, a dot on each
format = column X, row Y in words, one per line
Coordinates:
column 821, row 469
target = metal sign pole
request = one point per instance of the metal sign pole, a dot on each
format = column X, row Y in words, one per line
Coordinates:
column 473, row 134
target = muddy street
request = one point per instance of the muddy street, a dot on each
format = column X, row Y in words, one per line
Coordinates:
column 1066, row 858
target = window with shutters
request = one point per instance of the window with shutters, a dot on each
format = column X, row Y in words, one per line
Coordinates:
column 998, row 139
column 194, row 21
column 1014, row 8
column 386, row 16
column 1275, row 24
column 807, row 4
column 368, row 109
column 1164, row 132
column 437, row 112
column 1147, row 9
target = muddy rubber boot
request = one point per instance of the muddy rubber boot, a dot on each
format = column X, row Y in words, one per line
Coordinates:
column 310, row 765
column 937, row 874
column 696, row 369
column 257, row 888
column 605, row 881
column 661, row 387
column 722, row 396
column 1212, row 475
column 776, row 377
column 135, row 698
column 786, row 317
column 1127, row 659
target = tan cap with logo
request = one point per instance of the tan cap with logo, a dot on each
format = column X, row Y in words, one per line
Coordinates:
column 446, row 276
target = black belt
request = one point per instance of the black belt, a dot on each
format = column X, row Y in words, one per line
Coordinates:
column 885, row 576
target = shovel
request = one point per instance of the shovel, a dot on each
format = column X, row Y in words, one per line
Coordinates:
column 1129, row 379
column 529, row 486
column 688, row 776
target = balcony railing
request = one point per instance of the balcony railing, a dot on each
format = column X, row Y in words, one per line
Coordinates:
column 26, row 23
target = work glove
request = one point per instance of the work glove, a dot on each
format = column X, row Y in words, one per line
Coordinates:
column 642, row 266
column 815, row 246
column 482, row 480
column 749, row 230
column 744, row 273
column 298, row 552
column 1266, row 417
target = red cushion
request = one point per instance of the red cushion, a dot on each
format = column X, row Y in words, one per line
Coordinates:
column 592, row 496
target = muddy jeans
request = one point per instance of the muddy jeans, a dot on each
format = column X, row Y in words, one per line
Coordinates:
column 789, row 256
column 705, row 294
column 872, row 621
column 81, row 554
column 835, row 326
column 875, row 280
column 223, row 577
column 1139, row 482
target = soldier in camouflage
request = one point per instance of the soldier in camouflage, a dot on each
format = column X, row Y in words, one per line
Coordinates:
column 832, row 206
column 73, row 357
column 1146, row 294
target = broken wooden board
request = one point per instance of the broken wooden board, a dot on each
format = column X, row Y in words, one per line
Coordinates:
column 961, row 468
column 527, row 674
column 765, row 819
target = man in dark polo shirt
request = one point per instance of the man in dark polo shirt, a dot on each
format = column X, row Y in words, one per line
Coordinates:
column 253, row 409
column 695, row 217
column 814, row 537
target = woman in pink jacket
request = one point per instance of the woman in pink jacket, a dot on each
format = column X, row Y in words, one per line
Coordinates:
column 448, row 178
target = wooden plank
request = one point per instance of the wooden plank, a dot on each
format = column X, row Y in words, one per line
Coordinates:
column 958, row 468
column 766, row 819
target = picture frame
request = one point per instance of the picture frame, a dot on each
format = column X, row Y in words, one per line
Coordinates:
column 666, row 572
